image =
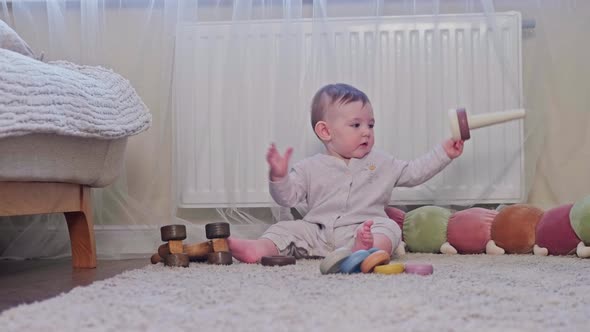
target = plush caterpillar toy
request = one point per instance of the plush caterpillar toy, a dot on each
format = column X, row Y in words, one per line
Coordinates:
column 515, row 229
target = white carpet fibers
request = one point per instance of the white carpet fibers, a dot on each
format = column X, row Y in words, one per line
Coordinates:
column 465, row 293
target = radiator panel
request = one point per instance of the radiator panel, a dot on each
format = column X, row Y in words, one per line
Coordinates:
column 412, row 68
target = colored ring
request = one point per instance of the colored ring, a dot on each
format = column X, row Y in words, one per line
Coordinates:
column 277, row 260
column 352, row 264
column 379, row 257
column 463, row 124
column 395, row 268
column 372, row 250
column 331, row 263
column 421, row 269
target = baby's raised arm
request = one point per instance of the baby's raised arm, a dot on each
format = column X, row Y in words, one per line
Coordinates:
column 422, row 169
column 279, row 165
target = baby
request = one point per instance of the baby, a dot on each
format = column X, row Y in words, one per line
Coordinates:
column 346, row 189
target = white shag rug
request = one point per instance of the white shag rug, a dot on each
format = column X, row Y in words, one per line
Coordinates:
column 465, row 293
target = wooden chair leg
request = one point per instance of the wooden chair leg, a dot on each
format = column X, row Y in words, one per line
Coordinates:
column 81, row 228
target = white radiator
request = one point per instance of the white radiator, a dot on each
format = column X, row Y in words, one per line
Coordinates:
column 412, row 68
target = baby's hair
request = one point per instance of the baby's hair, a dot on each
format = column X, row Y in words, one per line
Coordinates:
column 334, row 93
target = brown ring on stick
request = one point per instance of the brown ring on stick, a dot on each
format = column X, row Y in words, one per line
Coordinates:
column 463, row 124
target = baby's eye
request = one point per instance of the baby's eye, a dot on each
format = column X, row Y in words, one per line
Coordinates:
column 356, row 125
column 371, row 125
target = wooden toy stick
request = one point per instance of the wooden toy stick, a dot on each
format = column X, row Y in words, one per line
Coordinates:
column 195, row 251
column 198, row 250
column 175, row 246
column 462, row 123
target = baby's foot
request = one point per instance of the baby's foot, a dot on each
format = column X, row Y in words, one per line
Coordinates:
column 250, row 251
column 364, row 237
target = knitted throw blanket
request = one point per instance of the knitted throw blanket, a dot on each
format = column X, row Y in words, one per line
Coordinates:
column 66, row 99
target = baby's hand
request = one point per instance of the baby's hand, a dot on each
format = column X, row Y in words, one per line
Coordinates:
column 279, row 165
column 453, row 148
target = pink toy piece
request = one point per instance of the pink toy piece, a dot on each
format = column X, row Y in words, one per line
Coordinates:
column 421, row 269
column 396, row 215
column 469, row 230
column 555, row 233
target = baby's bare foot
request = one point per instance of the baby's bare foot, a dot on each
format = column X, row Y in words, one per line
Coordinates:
column 250, row 251
column 364, row 237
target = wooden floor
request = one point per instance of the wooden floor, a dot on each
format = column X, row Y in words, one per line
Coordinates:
column 35, row 280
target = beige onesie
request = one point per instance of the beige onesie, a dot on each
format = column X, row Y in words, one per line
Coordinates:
column 340, row 197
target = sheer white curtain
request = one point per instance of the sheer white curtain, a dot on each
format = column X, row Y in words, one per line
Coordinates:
column 137, row 38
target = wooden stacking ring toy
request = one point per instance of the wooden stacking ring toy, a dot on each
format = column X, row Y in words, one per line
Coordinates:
column 395, row 268
column 277, row 260
column 352, row 264
column 379, row 257
column 331, row 263
column 421, row 269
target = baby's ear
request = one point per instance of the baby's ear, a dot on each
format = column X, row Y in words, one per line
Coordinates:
column 321, row 129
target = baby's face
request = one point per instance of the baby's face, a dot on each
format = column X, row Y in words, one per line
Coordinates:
column 351, row 128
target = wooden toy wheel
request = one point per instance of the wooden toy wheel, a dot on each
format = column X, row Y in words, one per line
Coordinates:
column 217, row 230
column 277, row 260
column 173, row 232
column 220, row 258
column 155, row 259
column 163, row 250
column 176, row 260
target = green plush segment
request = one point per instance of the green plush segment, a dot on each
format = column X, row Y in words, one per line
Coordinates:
column 425, row 229
column 580, row 219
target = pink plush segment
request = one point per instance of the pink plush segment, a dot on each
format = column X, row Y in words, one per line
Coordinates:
column 555, row 232
column 470, row 230
column 396, row 215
